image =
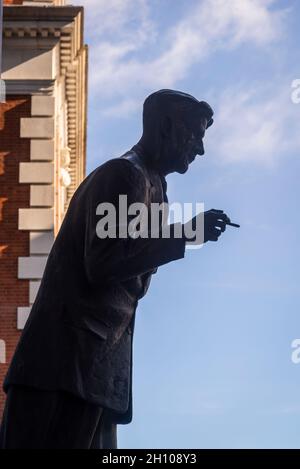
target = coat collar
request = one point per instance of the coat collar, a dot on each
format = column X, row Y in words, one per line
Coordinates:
column 153, row 174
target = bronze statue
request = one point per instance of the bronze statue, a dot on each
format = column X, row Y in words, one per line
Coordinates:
column 70, row 380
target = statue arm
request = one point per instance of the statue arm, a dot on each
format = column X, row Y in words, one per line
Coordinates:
column 118, row 258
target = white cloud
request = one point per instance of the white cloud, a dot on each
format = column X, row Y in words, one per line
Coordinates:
column 118, row 17
column 129, row 59
column 257, row 125
column 123, row 35
column 125, row 107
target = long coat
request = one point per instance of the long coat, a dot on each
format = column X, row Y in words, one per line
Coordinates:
column 78, row 336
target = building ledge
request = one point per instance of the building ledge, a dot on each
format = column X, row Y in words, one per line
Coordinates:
column 45, row 12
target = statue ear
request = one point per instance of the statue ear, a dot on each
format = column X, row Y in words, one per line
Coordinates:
column 166, row 126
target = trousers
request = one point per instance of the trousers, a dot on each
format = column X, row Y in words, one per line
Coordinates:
column 37, row 419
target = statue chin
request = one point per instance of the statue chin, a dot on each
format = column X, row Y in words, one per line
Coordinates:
column 183, row 165
column 183, row 168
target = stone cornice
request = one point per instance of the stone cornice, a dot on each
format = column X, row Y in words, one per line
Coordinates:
column 37, row 13
column 22, row 31
column 60, row 26
column 39, row 87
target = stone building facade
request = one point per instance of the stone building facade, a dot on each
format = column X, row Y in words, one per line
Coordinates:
column 42, row 147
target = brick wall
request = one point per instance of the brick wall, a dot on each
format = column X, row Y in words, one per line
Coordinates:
column 13, row 2
column 13, row 243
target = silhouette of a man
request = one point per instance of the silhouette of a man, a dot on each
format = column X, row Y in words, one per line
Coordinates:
column 70, row 380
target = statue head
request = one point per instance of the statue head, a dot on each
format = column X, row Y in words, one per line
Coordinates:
column 174, row 125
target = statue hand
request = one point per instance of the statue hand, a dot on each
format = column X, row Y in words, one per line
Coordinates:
column 214, row 224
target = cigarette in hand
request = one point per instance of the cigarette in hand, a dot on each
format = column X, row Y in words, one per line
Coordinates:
column 233, row 224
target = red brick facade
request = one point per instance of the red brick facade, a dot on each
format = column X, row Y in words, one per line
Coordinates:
column 13, row 243
column 13, row 2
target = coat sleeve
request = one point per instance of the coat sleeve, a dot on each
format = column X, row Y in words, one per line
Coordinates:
column 110, row 259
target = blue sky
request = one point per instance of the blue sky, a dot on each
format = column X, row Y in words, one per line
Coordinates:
column 212, row 347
